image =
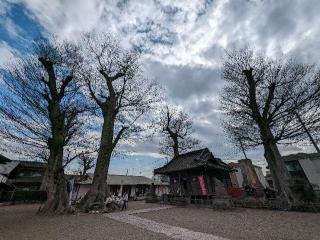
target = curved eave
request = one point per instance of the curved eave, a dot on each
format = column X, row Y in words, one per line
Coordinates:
column 164, row 172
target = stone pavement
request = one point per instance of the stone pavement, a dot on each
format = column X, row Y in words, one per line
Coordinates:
column 168, row 230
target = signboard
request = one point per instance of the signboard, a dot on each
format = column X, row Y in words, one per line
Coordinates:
column 202, row 185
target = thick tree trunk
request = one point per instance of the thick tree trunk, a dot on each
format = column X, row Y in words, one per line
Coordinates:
column 56, row 187
column 175, row 147
column 277, row 166
column 56, row 184
column 278, row 170
column 97, row 191
column 44, row 181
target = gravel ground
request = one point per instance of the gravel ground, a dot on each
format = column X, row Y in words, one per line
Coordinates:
column 134, row 205
column 20, row 222
column 249, row 224
column 172, row 232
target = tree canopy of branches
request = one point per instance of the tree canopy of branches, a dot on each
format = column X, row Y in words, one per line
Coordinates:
column 260, row 101
column 41, row 108
column 122, row 96
column 176, row 129
column 86, row 163
column 236, row 136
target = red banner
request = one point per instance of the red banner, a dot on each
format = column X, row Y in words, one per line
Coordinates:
column 202, row 185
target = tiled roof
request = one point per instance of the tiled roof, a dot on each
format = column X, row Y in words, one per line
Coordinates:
column 7, row 165
column 4, row 159
column 300, row 156
column 193, row 160
column 123, row 180
column 6, row 168
column 34, row 164
column 128, row 180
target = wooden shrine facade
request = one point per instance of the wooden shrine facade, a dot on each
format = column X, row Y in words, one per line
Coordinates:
column 197, row 175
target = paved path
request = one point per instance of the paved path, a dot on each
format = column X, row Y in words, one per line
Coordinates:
column 168, row 230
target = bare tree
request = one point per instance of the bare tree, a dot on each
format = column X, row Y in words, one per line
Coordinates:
column 86, row 162
column 236, row 134
column 82, row 145
column 41, row 107
column 260, row 100
column 176, row 129
column 122, row 96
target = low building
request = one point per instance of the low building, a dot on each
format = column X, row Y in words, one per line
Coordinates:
column 161, row 183
column 21, row 180
column 26, row 175
column 269, row 180
column 135, row 186
column 305, row 165
column 197, row 175
column 247, row 174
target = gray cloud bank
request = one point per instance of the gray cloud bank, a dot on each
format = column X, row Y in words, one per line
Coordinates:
column 184, row 44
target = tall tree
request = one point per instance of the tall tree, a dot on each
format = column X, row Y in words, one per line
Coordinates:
column 176, row 129
column 86, row 163
column 260, row 100
column 40, row 108
column 122, row 96
column 236, row 135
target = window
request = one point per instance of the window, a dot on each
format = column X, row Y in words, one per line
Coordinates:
column 293, row 166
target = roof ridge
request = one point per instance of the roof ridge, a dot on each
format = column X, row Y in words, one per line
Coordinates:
column 194, row 151
column 301, row 153
column 126, row 175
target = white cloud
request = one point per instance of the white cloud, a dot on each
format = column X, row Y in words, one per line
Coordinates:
column 7, row 53
column 4, row 7
column 185, row 32
column 185, row 42
column 12, row 29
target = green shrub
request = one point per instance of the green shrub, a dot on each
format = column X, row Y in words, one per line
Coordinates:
column 306, row 207
column 303, row 189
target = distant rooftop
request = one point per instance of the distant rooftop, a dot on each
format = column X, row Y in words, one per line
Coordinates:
column 34, row 164
column 300, row 156
column 114, row 179
column 192, row 160
column 237, row 164
column 4, row 159
column 7, row 165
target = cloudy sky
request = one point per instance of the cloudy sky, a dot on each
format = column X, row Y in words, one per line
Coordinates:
column 184, row 44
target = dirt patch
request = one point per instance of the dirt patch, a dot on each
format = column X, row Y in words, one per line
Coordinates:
column 248, row 224
column 20, row 222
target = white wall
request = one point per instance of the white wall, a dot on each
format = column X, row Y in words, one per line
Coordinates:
column 239, row 176
column 82, row 191
column 133, row 191
column 312, row 170
column 161, row 189
column 261, row 177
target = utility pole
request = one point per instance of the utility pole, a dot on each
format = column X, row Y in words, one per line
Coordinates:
column 307, row 132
